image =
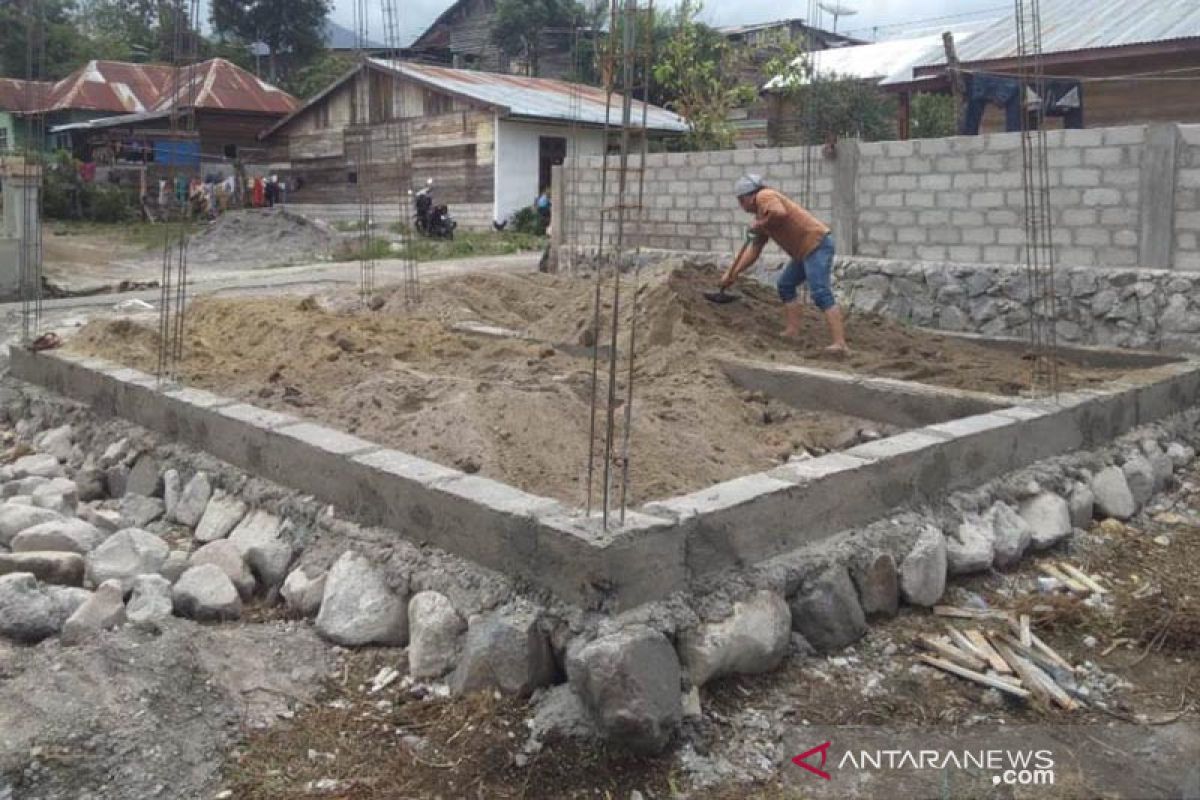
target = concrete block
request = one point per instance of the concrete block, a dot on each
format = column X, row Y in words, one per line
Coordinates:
column 1101, row 197
column 968, row 254
column 1064, row 157
column 970, row 180
column 1081, row 177
column 1004, row 180
column 1104, row 156
column 987, row 199
column 1134, row 134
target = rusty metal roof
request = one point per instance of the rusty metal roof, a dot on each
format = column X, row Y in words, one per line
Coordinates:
column 17, row 95
column 219, row 84
column 1070, row 26
column 534, row 98
column 111, row 86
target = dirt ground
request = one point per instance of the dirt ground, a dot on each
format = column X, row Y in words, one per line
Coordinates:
column 1138, row 737
column 519, row 410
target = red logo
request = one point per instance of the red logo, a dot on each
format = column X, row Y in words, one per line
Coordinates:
column 802, row 760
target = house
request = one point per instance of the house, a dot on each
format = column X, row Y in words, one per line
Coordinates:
column 755, row 45
column 1137, row 61
column 114, row 111
column 16, row 98
column 487, row 140
column 461, row 37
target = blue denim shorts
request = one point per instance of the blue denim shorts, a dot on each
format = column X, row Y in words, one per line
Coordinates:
column 815, row 269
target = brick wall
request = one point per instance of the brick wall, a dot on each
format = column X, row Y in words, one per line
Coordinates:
column 959, row 199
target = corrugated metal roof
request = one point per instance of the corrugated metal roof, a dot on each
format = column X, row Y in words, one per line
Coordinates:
column 17, row 95
column 221, row 85
column 537, row 98
column 874, row 60
column 1073, row 25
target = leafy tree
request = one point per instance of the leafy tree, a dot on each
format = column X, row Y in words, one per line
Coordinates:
column 54, row 19
column 318, row 74
column 121, row 30
column 523, row 27
column 294, row 28
column 697, row 77
column 932, row 116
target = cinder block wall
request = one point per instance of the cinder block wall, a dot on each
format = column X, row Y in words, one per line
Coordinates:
column 1119, row 197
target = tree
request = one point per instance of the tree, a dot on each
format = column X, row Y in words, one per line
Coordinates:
column 51, row 22
column 932, row 116
column 522, row 27
column 294, row 28
column 697, row 77
column 121, row 30
column 318, row 74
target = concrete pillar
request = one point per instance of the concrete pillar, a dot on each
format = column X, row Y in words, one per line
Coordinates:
column 558, row 217
column 1156, row 195
column 845, row 197
column 22, row 190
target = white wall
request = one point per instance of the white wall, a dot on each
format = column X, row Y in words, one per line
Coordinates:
column 517, row 160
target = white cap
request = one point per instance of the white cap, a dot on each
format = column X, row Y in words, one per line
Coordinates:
column 748, row 184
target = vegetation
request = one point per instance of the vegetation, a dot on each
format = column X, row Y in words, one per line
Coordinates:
column 524, row 27
column 465, row 244
column 291, row 28
column 933, row 116
column 66, row 196
column 138, row 233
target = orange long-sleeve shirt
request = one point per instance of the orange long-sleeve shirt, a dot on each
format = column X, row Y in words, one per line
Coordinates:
column 788, row 223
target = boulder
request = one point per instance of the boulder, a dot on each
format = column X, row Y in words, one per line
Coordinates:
column 91, row 485
column 150, row 603
column 434, row 635
column 753, row 639
column 65, row 600
column 505, row 650
column 878, row 585
column 115, row 453
column 259, row 539
column 103, row 610
column 1082, row 504
column 826, row 611
column 1112, row 495
column 629, row 682
column 192, row 501
column 116, row 479
column 1139, row 476
column 302, row 592
column 225, row 555
column 205, row 593
column 58, row 494
column 923, row 570
column 175, row 565
column 1012, row 535
column 27, row 614
column 67, row 535
column 57, row 442
column 172, row 489
column 1049, row 519
column 221, row 515
column 23, row 487
column 972, row 547
column 358, row 608
column 63, row 569
column 1180, row 454
column 107, row 520
column 138, row 511
column 125, row 555
column 1161, row 465
column 39, row 465
column 145, row 478
column 16, row 518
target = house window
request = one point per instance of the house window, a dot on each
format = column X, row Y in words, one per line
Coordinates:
column 352, row 177
column 321, row 116
column 231, row 151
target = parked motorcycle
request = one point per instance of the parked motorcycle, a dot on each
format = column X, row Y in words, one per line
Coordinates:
column 430, row 219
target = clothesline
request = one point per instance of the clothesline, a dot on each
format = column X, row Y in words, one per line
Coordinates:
column 1164, row 75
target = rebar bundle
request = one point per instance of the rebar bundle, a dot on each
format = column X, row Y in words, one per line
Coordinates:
column 30, row 266
column 362, row 158
column 398, row 146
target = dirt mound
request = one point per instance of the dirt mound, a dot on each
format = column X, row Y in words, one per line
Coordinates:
column 262, row 237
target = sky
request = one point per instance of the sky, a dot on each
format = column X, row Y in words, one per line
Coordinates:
column 876, row 19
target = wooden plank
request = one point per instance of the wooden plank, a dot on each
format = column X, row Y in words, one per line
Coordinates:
column 951, row 652
column 1023, row 631
column 993, row 658
column 1049, row 652
column 964, row 643
column 1035, row 680
column 959, row 612
column 971, row 675
column 1066, row 580
column 1081, row 576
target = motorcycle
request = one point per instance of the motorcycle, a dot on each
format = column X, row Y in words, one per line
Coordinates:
column 432, row 220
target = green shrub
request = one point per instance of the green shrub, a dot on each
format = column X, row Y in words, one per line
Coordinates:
column 528, row 221
column 107, row 203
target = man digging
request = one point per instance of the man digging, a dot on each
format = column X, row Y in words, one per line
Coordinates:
column 803, row 237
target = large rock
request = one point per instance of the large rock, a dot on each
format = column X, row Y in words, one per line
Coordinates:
column 753, row 639
column 629, row 682
column 138, row 511
column 57, row 442
column 205, row 593
column 63, row 569
column 225, row 555
column 506, row 650
column 923, row 570
column 972, row 547
column 115, row 479
column 16, row 518
column 66, row 600
column 434, row 635
column 58, row 494
column 1049, row 519
column 107, row 520
column 192, row 501
column 303, row 590
column 175, row 565
column 1160, row 464
column 104, row 609
column 40, row 465
column 1012, row 535
column 1082, row 504
column 91, row 484
column 172, row 489
column 1139, row 476
column 125, row 555
column 1180, row 454
column 27, row 614
column 67, row 535
column 358, row 608
column 1113, row 498
column 24, row 486
column 150, row 603
column 145, row 478
column 259, row 539
column 221, row 515
column 826, row 611
column 878, row 586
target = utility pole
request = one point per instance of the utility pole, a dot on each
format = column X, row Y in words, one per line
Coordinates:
column 957, row 85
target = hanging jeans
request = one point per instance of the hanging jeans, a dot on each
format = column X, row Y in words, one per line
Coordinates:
column 983, row 90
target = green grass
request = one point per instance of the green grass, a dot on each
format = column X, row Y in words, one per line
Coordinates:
column 147, row 235
column 467, row 244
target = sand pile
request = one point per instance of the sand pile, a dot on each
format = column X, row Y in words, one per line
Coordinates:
column 262, row 237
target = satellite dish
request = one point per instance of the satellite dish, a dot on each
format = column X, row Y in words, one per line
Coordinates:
column 837, row 9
